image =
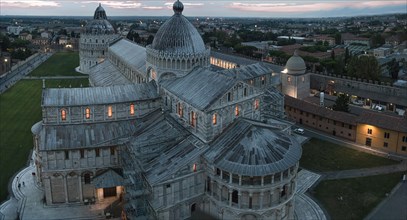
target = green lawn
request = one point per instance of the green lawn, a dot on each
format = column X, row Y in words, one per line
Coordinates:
column 60, row 64
column 319, row 155
column 20, row 108
column 354, row 198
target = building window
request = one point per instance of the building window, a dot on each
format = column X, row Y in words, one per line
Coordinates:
column 404, row 139
column 229, row 97
column 97, row 152
column 217, row 171
column 303, row 79
column 385, row 144
column 86, row 177
column 214, row 119
column 194, row 167
column 403, row 148
column 66, row 155
column 263, row 80
column 109, row 111
column 111, row 150
column 87, row 113
column 245, row 92
column 131, row 109
column 289, row 79
column 63, row 114
column 192, row 119
column 386, row 135
column 237, row 111
column 179, row 110
column 369, row 131
column 168, row 185
column 368, row 142
column 82, row 152
column 256, row 104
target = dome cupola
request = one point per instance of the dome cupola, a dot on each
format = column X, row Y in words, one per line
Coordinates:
column 295, row 65
column 99, row 24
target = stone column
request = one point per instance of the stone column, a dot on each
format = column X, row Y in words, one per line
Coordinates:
column 230, row 177
column 271, row 198
column 281, row 176
column 239, row 202
column 250, row 199
column 240, row 180
column 262, row 180
column 65, row 188
column 261, row 199
column 230, row 197
column 80, row 189
column 272, row 179
column 212, row 187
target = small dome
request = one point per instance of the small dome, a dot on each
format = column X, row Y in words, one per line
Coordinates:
column 258, row 151
column 178, row 35
column 99, row 24
column 295, row 65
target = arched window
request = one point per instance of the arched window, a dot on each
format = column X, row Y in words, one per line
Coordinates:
column 245, row 91
column 179, row 110
column 131, row 109
column 237, row 111
column 256, row 104
column 87, row 178
column 109, row 111
column 263, row 80
column 63, row 114
column 214, row 119
column 192, row 119
column 235, row 196
column 87, row 113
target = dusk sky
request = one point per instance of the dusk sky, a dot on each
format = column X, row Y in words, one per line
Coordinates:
column 226, row 8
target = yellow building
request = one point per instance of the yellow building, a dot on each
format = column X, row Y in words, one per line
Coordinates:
column 382, row 132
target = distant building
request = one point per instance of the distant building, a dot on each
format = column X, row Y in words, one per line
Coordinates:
column 295, row 80
column 381, row 52
column 14, row 30
column 25, row 36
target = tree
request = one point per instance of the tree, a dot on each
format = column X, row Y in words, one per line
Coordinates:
column 341, row 103
column 338, row 38
column 150, row 39
column 133, row 36
column 376, row 40
column 365, row 67
column 394, row 69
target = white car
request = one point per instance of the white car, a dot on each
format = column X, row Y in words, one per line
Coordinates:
column 299, row 130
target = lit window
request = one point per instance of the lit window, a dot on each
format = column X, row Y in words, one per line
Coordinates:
column 87, row 113
column 193, row 119
column 63, row 114
column 179, row 110
column 131, row 109
column 214, row 119
column 237, row 111
column 256, row 104
column 263, row 80
column 194, row 167
column 369, row 131
column 109, row 111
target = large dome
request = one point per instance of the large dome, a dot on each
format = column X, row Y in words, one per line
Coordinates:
column 178, row 35
column 295, row 65
column 99, row 24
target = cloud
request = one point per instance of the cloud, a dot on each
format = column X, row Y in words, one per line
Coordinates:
column 308, row 6
column 116, row 4
column 28, row 3
column 153, row 7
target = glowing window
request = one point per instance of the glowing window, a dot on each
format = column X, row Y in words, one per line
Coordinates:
column 193, row 119
column 237, row 111
column 131, row 109
column 63, row 114
column 109, row 111
column 153, row 74
column 214, row 119
column 263, row 80
column 256, row 104
column 194, row 167
column 87, row 113
column 179, row 110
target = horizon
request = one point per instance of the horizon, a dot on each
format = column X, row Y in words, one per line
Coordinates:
column 196, row 8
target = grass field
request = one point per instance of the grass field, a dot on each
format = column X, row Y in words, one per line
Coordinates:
column 354, row 198
column 20, row 109
column 60, row 64
column 319, row 155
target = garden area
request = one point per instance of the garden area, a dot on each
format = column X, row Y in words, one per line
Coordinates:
column 322, row 156
column 352, row 198
column 20, row 109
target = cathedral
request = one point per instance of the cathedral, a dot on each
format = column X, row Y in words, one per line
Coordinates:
column 166, row 134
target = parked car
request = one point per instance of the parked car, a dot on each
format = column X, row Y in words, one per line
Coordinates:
column 299, row 130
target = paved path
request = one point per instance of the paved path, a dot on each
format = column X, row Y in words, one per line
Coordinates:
column 305, row 207
column 393, row 207
column 344, row 174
